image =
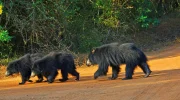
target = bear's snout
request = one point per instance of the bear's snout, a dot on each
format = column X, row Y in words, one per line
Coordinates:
column 33, row 74
column 88, row 63
column 7, row 73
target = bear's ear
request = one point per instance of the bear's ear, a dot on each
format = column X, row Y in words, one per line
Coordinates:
column 93, row 50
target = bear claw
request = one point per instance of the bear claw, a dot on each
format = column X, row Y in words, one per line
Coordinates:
column 63, row 80
column 126, row 78
column 21, row 83
column 30, row 81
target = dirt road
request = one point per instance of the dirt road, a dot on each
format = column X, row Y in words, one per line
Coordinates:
column 163, row 84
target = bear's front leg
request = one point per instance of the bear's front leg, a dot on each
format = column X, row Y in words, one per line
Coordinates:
column 23, row 80
column 52, row 76
column 102, row 70
column 96, row 74
column 28, row 78
column 50, row 79
column 115, row 72
column 40, row 78
column 25, row 77
column 99, row 73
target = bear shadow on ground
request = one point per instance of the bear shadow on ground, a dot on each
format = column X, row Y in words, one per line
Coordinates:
column 137, row 75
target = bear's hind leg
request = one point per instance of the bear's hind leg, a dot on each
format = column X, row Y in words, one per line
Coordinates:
column 144, row 66
column 75, row 73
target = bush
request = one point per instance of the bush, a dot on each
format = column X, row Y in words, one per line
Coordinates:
column 5, row 47
column 75, row 25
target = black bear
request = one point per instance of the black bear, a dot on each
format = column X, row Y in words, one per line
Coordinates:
column 115, row 54
column 49, row 65
column 23, row 66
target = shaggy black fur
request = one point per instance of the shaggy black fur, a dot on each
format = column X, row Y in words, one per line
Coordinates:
column 49, row 65
column 23, row 66
column 115, row 54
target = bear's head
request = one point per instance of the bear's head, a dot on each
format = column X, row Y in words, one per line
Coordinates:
column 92, row 57
column 36, row 69
column 12, row 68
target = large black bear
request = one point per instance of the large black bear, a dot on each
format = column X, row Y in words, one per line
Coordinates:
column 49, row 65
column 23, row 66
column 115, row 54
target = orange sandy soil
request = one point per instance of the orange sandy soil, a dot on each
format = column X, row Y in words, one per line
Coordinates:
column 163, row 83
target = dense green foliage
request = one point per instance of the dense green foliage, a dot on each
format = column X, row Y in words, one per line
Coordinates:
column 5, row 48
column 75, row 25
column 4, row 35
